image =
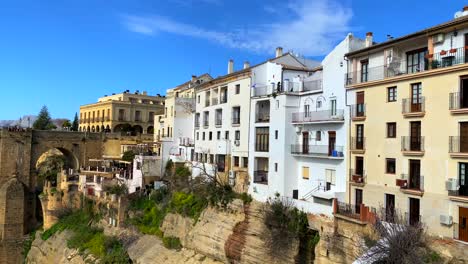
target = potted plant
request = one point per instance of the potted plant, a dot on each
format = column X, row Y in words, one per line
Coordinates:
column 453, row 50
column 443, row 52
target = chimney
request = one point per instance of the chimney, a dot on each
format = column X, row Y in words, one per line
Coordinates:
column 279, row 52
column 230, row 66
column 194, row 78
column 246, row 65
column 369, row 39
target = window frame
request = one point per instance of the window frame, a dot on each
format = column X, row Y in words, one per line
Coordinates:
column 391, row 130
column 387, row 160
column 391, row 94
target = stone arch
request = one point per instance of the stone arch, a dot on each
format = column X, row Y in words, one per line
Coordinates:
column 150, row 130
column 12, row 210
column 88, row 129
column 93, row 129
column 137, row 129
column 79, row 129
column 103, row 129
column 123, row 128
column 97, row 128
column 108, row 129
column 71, row 158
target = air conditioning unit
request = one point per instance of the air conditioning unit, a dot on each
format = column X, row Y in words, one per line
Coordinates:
column 237, row 142
column 446, row 220
column 232, row 174
column 439, row 38
column 451, row 185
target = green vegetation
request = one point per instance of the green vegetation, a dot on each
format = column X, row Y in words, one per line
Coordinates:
column 190, row 205
column 66, row 123
column 44, row 121
column 128, row 155
column 432, row 257
column 118, row 189
column 172, row 242
column 50, row 167
column 87, row 238
column 74, row 126
column 28, row 243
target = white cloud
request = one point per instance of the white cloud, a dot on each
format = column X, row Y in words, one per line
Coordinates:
column 308, row 27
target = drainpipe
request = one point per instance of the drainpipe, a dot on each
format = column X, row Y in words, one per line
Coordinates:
column 349, row 133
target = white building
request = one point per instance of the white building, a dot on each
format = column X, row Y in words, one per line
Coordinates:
column 222, row 123
column 146, row 170
column 301, row 152
column 174, row 129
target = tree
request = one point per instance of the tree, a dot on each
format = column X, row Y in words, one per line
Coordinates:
column 48, row 169
column 66, row 123
column 44, row 122
column 74, row 126
column 128, row 155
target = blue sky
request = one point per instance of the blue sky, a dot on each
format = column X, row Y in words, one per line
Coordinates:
column 67, row 53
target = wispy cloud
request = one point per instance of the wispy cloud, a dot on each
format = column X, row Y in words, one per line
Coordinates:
column 313, row 28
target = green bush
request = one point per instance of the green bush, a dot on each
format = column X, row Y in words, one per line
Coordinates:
column 172, row 242
column 190, row 205
column 246, row 198
column 151, row 220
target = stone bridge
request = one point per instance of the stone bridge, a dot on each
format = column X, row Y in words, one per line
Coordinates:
column 19, row 153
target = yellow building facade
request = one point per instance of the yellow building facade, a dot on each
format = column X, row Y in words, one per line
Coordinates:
column 409, row 128
column 123, row 112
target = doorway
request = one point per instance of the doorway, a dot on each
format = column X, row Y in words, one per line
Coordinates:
column 463, row 224
column 389, row 207
column 331, row 142
column 416, row 97
column 413, row 211
column 415, row 136
column 305, row 142
column 415, row 174
column 358, row 200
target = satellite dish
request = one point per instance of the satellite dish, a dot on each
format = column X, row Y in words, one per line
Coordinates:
column 458, row 14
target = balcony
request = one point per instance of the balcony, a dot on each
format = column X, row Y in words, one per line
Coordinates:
column 261, row 90
column 218, row 122
column 357, row 145
column 399, row 67
column 287, row 87
column 325, row 116
column 235, row 121
column 207, row 102
column 358, row 112
column 457, row 105
column 413, row 107
column 411, row 184
column 261, row 177
column 357, row 177
column 262, row 118
column 206, row 123
column 349, row 210
column 455, row 191
column 458, row 147
column 412, row 145
column 197, row 124
column 186, row 142
column 318, row 151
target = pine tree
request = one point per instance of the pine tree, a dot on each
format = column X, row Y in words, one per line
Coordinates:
column 75, row 123
column 43, row 121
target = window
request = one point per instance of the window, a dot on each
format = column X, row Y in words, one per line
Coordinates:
column 218, row 137
column 391, row 94
column 390, row 166
column 198, row 136
column 237, row 88
column 391, row 130
column 212, row 158
column 307, row 110
column 237, row 134
column 236, row 115
column 276, row 134
column 198, row 99
column 245, row 162
column 319, row 104
column 172, row 110
column 203, row 136
column 276, row 166
column 416, row 61
column 330, row 178
column 305, row 173
column 277, row 104
column 364, row 70
column 226, row 135
column 138, row 165
column 236, row 161
column 210, row 136
column 262, row 139
column 318, row 136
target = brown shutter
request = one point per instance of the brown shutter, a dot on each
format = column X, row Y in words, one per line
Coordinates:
column 360, row 97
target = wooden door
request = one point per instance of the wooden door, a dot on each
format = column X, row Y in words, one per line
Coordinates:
column 305, row 142
column 464, row 137
column 463, row 179
column 413, row 211
column 415, row 174
column 464, row 91
column 360, row 136
column 358, row 200
column 415, row 136
column 331, row 142
column 463, row 224
column 359, row 169
column 416, row 97
column 360, row 104
column 389, row 207
column 466, row 50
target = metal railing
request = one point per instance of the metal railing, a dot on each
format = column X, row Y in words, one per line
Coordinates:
column 410, row 106
column 311, row 86
column 358, row 110
column 263, row 145
column 206, row 123
column 358, row 143
column 218, row 122
column 319, row 150
column 261, row 90
column 413, row 182
column 223, row 98
column 318, row 116
column 261, row 176
column 262, row 117
column 397, row 67
column 456, row 102
column 235, row 120
column 186, row 141
column 349, row 210
column 357, row 176
column 197, row 124
column 412, row 143
column 458, row 144
column 319, row 188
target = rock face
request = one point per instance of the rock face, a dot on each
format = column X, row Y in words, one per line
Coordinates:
column 53, row 250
